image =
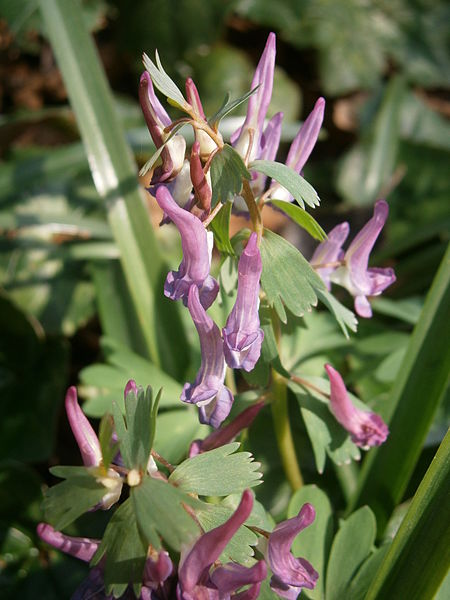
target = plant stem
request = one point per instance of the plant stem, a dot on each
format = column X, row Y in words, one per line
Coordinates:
column 283, row 431
column 255, row 215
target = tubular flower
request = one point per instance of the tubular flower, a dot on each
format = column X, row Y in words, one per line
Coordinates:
column 290, row 574
column 207, row 145
column 208, row 391
column 354, row 273
column 329, row 253
column 366, row 428
column 247, row 139
column 157, row 120
column 301, row 147
column 200, row 181
column 197, row 249
column 242, row 335
column 194, row 579
column 90, row 450
column 82, row 548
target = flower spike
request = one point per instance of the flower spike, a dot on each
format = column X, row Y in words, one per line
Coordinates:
column 208, row 391
column 197, row 249
column 290, row 574
column 258, row 104
column 242, row 335
column 366, row 428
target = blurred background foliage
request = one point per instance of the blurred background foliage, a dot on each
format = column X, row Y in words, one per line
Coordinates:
column 384, row 69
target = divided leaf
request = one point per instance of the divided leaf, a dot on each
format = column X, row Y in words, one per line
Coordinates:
column 163, row 82
column 218, row 472
column 125, row 552
column 108, row 447
column 302, row 218
column 160, row 513
column 227, row 171
column 228, row 106
column 66, row 501
column 287, row 277
column 136, row 429
column 295, row 184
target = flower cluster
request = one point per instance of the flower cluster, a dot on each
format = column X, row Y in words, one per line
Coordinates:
column 200, row 572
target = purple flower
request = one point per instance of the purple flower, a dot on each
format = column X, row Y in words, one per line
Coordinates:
column 242, row 335
column 157, row 120
column 290, row 574
column 354, row 273
column 329, row 253
column 359, row 280
column 207, row 144
column 158, row 568
column 90, row 450
column 301, row 147
column 197, row 249
column 201, row 182
column 227, row 433
column 194, row 579
column 366, row 428
column 208, row 391
column 82, row 548
column 247, row 139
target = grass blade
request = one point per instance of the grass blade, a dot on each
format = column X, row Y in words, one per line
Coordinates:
column 415, row 397
column 417, row 562
column 115, row 178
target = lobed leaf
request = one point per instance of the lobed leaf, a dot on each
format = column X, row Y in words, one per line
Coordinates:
column 295, row 184
column 162, row 81
column 220, row 226
column 227, row 171
column 125, row 551
column 302, row 218
column 218, row 472
column 287, row 277
column 344, row 317
column 228, row 106
column 160, row 513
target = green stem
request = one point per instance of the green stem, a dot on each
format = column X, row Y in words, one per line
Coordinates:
column 283, row 431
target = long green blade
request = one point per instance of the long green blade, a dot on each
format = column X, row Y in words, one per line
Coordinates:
column 416, row 394
column 418, row 560
column 115, row 178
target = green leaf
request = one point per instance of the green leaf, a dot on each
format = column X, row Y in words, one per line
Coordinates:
column 345, row 317
column 220, row 226
column 228, row 106
column 302, row 191
column 135, row 429
column 162, row 81
column 114, row 174
column 227, row 171
column 288, row 279
column 66, row 501
column 326, row 435
column 151, row 161
column 302, row 218
column 160, row 513
column 387, row 470
column 176, row 430
column 407, row 309
column 313, row 543
column 351, row 546
column 108, row 447
column 219, row 472
column 124, row 550
column 239, row 548
column 417, row 561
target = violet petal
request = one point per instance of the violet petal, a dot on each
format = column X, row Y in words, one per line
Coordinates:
column 366, row 428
